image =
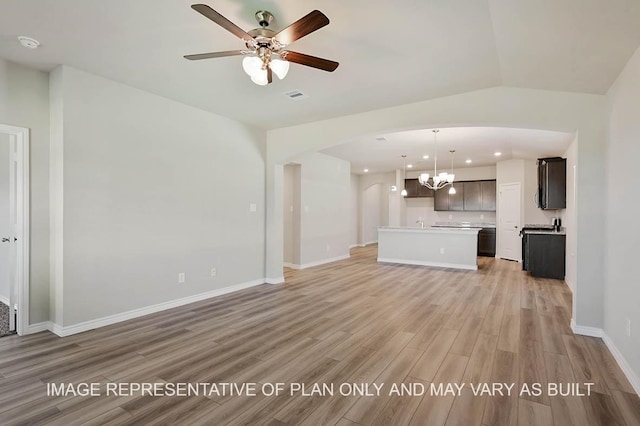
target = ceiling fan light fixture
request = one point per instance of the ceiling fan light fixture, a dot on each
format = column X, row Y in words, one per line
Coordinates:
column 252, row 65
column 260, row 78
column 279, row 67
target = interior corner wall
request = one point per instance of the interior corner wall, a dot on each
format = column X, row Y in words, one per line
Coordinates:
column 622, row 292
column 324, row 215
column 291, row 212
column 153, row 188
column 56, row 195
column 371, row 213
column 382, row 210
column 24, row 102
column 568, row 215
column 354, row 208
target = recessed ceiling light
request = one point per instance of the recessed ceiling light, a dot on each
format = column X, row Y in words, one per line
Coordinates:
column 366, row 170
column 29, row 42
column 497, row 154
column 409, row 166
column 468, row 161
column 425, row 157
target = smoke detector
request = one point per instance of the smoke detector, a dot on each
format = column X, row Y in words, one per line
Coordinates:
column 29, row 42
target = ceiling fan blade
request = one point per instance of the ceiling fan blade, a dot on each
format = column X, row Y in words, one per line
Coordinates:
column 310, row 61
column 303, row 26
column 222, row 21
column 215, row 55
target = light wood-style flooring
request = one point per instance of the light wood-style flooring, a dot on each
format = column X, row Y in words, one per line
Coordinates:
column 353, row 321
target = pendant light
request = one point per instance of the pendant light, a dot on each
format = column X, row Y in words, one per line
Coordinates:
column 404, row 177
column 439, row 180
column 452, row 190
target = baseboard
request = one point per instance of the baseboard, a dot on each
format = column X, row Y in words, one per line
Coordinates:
column 278, row 280
column 569, row 284
column 353, row 246
column 622, row 362
column 586, row 331
column 617, row 355
column 319, row 262
column 38, row 327
column 124, row 316
column 289, row 265
column 434, row 264
column 4, row 300
column 368, row 243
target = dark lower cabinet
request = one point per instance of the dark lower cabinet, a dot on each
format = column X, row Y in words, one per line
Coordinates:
column 543, row 254
column 487, row 242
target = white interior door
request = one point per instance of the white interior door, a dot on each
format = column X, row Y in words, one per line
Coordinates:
column 509, row 243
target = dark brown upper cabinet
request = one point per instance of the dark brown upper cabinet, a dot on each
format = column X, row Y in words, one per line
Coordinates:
column 477, row 195
column 488, row 189
column 415, row 190
column 552, row 183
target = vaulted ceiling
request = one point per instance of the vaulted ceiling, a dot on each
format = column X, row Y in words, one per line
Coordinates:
column 390, row 53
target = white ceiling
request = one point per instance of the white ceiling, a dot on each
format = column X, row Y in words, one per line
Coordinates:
column 390, row 53
column 479, row 144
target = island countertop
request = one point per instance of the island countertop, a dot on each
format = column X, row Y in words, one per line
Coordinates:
column 432, row 230
column 464, row 225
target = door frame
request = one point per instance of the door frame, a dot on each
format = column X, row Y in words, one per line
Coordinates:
column 21, row 139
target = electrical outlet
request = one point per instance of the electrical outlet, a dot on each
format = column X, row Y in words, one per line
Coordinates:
column 214, row 272
column 441, row 250
column 628, row 327
column 181, row 277
column 253, row 208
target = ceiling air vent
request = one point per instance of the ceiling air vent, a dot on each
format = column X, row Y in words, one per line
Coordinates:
column 296, row 95
column 381, row 139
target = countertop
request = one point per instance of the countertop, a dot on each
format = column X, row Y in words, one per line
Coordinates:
column 427, row 230
column 463, row 225
column 544, row 232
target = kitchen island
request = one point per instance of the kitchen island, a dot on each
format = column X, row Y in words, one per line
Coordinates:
column 441, row 247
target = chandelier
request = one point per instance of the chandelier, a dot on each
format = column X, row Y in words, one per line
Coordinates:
column 439, row 180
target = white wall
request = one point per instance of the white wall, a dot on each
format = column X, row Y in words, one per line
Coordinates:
column 288, row 213
column 622, row 291
column 24, row 102
column 325, row 207
column 354, row 210
column 379, row 210
column 568, row 215
column 416, row 208
column 5, row 223
column 150, row 188
column 372, row 212
column 291, row 209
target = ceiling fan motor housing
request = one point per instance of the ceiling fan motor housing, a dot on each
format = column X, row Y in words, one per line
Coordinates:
column 264, row 18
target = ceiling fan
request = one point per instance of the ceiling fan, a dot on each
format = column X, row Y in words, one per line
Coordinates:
column 265, row 52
